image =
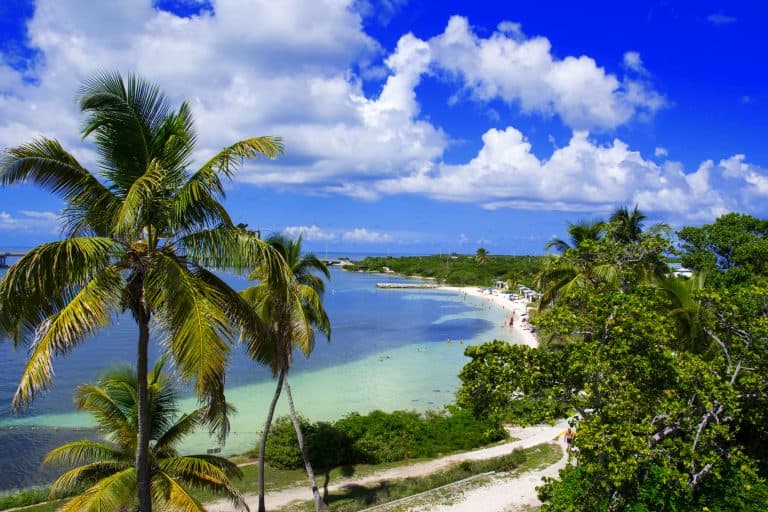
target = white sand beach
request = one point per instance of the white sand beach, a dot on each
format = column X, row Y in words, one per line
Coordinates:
column 518, row 309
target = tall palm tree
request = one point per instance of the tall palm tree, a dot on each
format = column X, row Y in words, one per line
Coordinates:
column 481, row 256
column 626, row 226
column 579, row 232
column 106, row 469
column 137, row 231
column 293, row 315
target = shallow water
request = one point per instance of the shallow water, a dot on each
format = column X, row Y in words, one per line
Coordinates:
column 389, row 350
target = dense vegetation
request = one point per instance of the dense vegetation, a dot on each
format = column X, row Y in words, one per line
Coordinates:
column 668, row 376
column 379, row 437
column 459, row 269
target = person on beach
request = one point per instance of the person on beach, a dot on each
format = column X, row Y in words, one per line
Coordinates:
column 569, row 433
column 512, row 320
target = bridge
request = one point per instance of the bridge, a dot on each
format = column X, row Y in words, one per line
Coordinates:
column 5, row 255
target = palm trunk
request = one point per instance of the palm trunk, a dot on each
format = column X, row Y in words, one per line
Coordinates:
column 263, row 443
column 320, row 505
column 142, row 448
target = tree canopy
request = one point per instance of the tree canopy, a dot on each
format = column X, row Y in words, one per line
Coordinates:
column 666, row 378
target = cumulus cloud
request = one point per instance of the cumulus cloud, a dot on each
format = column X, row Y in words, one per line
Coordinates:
column 248, row 68
column 363, row 235
column 525, row 72
column 660, row 151
column 309, row 233
column 586, row 176
column 296, row 69
column 30, row 221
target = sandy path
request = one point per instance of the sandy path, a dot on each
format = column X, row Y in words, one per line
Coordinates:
column 504, row 494
column 530, row 436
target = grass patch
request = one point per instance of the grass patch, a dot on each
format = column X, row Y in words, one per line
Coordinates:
column 357, row 497
column 27, row 498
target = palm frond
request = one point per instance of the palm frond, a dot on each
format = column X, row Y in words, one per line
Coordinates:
column 140, row 197
column 46, row 163
column 192, row 313
column 83, row 452
column 112, row 407
column 87, row 312
column 87, row 474
column 233, row 248
column 123, row 116
column 114, row 492
column 174, row 496
column 205, row 472
column 165, row 445
column 225, row 162
column 48, row 277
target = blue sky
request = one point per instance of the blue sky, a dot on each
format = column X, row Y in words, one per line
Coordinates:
column 415, row 126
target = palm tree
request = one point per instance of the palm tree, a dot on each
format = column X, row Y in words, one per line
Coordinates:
column 481, row 256
column 580, row 232
column 687, row 310
column 106, row 469
column 626, row 226
column 137, row 231
column 292, row 315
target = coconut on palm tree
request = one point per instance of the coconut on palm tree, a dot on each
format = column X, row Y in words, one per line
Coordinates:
column 292, row 313
column 106, row 469
column 137, row 230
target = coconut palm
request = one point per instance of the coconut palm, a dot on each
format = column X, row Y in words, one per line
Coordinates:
column 579, row 232
column 137, row 230
column 626, row 226
column 292, row 315
column 687, row 310
column 481, row 256
column 106, row 469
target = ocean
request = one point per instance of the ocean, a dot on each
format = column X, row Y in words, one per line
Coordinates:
column 389, row 350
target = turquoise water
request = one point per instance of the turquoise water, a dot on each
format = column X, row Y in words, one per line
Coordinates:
column 388, row 351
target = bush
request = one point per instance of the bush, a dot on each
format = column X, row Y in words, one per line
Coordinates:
column 282, row 448
column 379, row 437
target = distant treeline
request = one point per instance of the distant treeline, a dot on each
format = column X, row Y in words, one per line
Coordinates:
column 459, row 269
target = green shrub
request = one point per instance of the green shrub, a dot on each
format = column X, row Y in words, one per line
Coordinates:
column 282, row 448
column 379, row 437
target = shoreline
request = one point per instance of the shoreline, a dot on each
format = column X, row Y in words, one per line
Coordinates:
column 517, row 309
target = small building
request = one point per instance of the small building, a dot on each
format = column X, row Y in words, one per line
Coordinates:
column 500, row 285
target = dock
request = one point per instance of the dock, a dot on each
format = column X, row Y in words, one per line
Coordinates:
column 5, row 255
column 417, row 286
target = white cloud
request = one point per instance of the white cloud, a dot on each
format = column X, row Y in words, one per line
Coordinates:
column 633, row 62
column 295, row 68
column 363, row 235
column 524, row 72
column 309, row 233
column 720, row 19
column 250, row 68
column 660, row 151
column 463, row 239
column 30, row 221
column 589, row 177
